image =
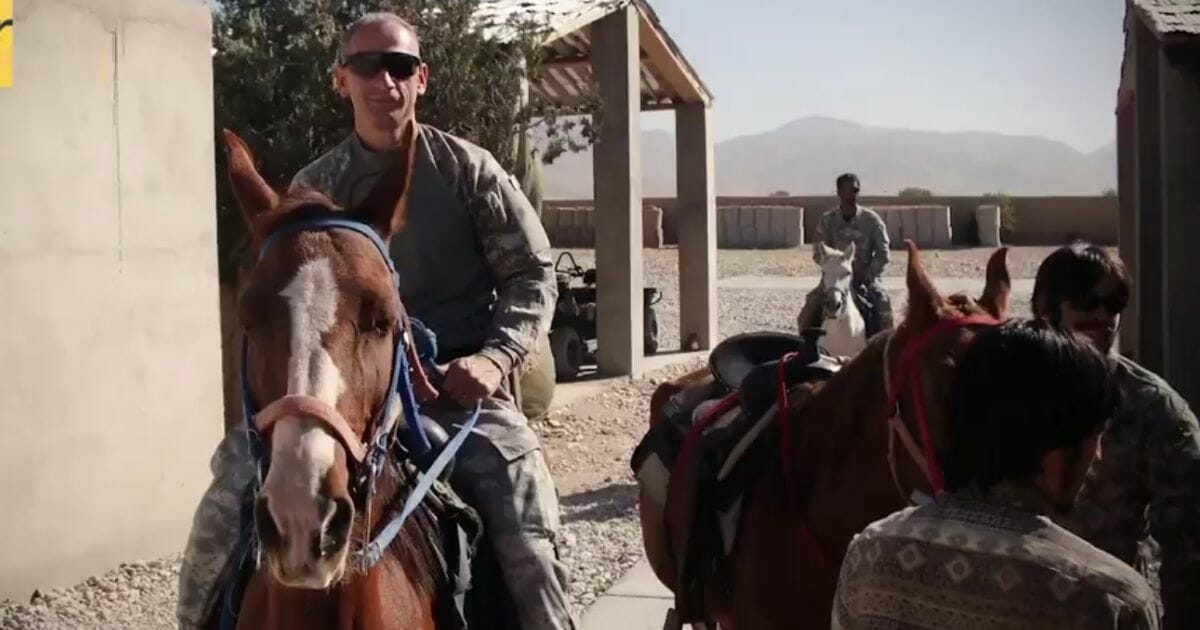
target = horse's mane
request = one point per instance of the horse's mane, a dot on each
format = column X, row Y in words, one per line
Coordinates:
column 418, row 545
column 300, row 205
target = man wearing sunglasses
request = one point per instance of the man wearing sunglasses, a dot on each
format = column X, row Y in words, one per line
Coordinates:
column 850, row 223
column 1145, row 488
column 474, row 266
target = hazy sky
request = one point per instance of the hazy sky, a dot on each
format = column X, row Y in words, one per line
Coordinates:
column 1036, row 67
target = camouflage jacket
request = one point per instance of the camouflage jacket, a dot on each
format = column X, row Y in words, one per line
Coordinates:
column 1147, row 483
column 868, row 233
column 474, row 259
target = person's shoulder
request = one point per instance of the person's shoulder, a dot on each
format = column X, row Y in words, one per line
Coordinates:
column 444, row 142
column 871, row 214
column 1075, row 558
column 1142, row 388
column 320, row 172
column 893, row 525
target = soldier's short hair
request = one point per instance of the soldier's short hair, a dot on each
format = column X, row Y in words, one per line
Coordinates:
column 1071, row 274
column 847, row 177
column 1022, row 390
column 374, row 17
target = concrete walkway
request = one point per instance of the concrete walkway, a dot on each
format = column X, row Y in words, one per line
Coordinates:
column 638, row 601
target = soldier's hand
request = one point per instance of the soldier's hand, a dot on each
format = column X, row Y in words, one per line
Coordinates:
column 471, row 379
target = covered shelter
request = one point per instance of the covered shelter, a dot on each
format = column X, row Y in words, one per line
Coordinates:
column 1158, row 123
column 621, row 48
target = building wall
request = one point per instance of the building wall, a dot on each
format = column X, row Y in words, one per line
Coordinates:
column 111, row 398
column 1040, row 220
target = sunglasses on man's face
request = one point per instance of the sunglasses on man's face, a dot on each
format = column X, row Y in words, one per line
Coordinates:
column 399, row 65
column 1112, row 303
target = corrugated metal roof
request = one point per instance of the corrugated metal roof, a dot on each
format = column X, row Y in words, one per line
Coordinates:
column 566, row 74
column 1171, row 17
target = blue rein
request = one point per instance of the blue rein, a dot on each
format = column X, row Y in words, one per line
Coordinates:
column 413, row 439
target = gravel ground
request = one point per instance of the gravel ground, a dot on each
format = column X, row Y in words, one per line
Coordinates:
column 588, row 444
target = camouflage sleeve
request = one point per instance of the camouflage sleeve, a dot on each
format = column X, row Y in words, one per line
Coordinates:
column 879, row 246
column 517, row 249
column 1173, row 481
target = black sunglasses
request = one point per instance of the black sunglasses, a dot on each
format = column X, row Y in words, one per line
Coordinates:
column 1114, row 303
column 399, row 65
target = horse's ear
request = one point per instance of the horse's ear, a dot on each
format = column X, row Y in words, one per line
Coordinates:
column 252, row 192
column 385, row 208
column 998, row 286
column 819, row 246
column 849, row 251
column 924, row 301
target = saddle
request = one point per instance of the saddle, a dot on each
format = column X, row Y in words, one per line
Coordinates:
column 717, row 433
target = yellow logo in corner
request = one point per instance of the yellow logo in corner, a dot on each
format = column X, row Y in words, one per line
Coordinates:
column 6, row 43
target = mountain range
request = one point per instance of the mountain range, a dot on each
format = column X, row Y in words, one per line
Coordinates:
column 805, row 156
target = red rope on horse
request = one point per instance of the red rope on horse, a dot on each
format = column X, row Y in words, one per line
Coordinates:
column 906, row 367
column 689, row 445
column 785, row 417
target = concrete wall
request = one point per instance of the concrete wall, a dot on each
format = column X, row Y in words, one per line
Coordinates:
column 760, row 227
column 111, row 398
column 1040, row 220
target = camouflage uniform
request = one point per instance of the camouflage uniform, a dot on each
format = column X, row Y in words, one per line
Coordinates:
column 869, row 235
column 475, row 268
column 1145, row 489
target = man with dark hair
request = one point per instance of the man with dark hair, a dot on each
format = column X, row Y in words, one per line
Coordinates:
column 1145, row 492
column 838, row 228
column 474, row 266
column 1027, row 408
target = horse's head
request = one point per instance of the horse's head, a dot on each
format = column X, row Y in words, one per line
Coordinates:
column 322, row 318
column 836, row 272
column 922, row 355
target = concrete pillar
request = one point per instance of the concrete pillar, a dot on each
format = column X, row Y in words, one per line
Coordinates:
column 617, row 169
column 1180, row 102
column 1148, row 276
column 697, row 226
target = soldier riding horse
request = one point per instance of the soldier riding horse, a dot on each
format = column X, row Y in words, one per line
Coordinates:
column 348, row 515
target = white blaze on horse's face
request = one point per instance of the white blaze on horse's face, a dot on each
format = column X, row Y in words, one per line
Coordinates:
column 836, row 271
column 302, row 452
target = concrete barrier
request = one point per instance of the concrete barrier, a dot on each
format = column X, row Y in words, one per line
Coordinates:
column 574, row 226
column 112, row 403
column 760, row 227
column 988, row 219
column 929, row 226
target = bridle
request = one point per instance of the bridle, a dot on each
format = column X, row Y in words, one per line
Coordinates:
column 894, row 383
column 370, row 456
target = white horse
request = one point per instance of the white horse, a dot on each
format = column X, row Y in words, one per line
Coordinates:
column 845, row 331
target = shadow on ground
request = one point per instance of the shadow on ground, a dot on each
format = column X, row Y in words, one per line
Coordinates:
column 618, row 500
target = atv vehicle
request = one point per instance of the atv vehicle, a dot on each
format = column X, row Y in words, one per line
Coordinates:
column 573, row 330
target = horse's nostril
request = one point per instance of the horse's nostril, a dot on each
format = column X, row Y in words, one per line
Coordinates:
column 337, row 528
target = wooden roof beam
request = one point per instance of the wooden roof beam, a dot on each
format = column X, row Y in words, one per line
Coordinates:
column 669, row 67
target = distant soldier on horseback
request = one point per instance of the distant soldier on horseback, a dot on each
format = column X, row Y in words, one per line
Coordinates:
column 838, row 228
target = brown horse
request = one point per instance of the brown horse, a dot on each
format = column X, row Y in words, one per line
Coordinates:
column 322, row 318
column 839, row 468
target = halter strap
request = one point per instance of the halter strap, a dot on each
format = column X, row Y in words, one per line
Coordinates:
column 925, row 458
